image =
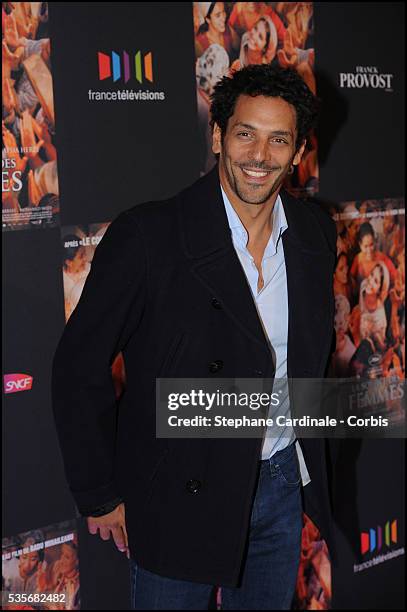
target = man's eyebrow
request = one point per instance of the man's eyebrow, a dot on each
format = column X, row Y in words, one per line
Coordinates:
column 273, row 132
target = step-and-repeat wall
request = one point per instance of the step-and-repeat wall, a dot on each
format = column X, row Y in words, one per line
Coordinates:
column 106, row 105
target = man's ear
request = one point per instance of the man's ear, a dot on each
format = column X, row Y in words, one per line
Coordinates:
column 299, row 153
column 216, row 139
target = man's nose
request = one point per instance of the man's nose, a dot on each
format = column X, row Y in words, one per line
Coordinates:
column 261, row 151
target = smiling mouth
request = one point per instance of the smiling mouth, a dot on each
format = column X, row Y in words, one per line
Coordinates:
column 259, row 174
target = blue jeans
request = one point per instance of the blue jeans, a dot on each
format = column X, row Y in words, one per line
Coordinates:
column 273, row 553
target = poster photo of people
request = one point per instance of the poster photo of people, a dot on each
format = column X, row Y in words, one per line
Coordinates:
column 40, row 569
column 231, row 35
column 314, row 583
column 369, row 287
column 30, row 191
column 78, row 247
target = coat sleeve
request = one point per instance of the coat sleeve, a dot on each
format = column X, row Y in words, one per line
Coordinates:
column 83, row 396
column 105, row 509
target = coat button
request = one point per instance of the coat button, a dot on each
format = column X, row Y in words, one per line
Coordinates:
column 193, row 486
column 216, row 304
column 215, row 366
column 258, row 372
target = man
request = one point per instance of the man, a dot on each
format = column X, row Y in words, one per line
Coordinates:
column 230, row 278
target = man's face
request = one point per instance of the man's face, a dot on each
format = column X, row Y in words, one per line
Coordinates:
column 258, row 148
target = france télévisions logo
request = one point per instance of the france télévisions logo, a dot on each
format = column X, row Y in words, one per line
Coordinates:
column 17, row 382
column 379, row 545
column 375, row 539
column 124, row 71
column 116, row 67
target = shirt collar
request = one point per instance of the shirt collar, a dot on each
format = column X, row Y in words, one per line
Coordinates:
column 279, row 223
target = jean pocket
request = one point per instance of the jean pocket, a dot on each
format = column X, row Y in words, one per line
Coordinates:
column 289, row 471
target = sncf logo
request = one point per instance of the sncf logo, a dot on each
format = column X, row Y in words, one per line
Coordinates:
column 17, row 382
column 116, row 67
column 375, row 539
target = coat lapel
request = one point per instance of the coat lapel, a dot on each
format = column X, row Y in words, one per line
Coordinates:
column 309, row 265
column 208, row 244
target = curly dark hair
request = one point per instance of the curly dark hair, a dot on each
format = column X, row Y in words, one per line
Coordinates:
column 265, row 80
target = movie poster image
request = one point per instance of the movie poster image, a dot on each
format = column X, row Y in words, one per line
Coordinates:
column 30, row 191
column 40, row 569
column 369, row 287
column 78, row 247
column 231, row 35
column 314, row 585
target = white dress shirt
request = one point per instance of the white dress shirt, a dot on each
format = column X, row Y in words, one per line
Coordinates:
column 272, row 306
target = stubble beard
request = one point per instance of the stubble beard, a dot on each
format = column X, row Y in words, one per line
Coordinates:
column 253, row 194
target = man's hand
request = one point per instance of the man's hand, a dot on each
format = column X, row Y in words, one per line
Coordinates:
column 114, row 523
